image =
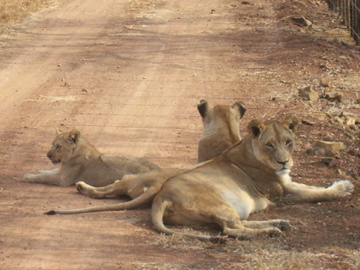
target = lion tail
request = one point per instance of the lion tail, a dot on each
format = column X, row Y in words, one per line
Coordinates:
column 143, row 199
column 158, row 209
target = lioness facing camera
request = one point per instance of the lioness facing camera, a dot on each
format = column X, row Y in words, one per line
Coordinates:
column 244, row 179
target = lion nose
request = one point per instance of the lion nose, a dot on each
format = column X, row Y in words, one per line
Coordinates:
column 283, row 162
column 48, row 155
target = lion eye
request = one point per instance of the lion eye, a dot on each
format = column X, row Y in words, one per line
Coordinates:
column 270, row 145
column 57, row 147
column 288, row 142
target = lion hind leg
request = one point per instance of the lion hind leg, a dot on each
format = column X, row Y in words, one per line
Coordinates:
column 118, row 188
column 245, row 230
column 183, row 211
column 245, row 233
column 92, row 192
column 99, row 192
column 159, row 207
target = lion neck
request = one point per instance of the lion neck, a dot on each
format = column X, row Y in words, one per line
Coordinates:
column 228, row 131
column 265, row 179
column 84, row 150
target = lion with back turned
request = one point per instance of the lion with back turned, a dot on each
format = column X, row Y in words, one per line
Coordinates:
column 81, row 161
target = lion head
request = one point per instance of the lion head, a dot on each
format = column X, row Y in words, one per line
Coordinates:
column 221, row 128
column 209, row 113
column 63, row 146
column 273, row 143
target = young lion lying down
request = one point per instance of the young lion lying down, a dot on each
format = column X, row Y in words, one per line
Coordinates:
column 82, row 161
column 221, row 129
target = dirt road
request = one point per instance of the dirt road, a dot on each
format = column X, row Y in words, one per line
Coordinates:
column 129, row 74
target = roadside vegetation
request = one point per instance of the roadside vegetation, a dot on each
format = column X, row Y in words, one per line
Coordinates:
column 14, row 11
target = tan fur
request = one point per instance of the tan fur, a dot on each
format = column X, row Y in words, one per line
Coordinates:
column 244, row 179
column 220, row 122
column 221, row 128
column 82, row 161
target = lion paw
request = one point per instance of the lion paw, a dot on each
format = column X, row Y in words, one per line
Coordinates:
column 81, row 186
column 29, row 177
column 283, row 225
column 342, row 188
column 218, row 240
column 273, row 232
column 87, row 190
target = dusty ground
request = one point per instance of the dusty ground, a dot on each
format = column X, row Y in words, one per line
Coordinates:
column 129, row 74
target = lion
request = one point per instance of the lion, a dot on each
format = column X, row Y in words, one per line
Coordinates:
column 221, row 128
column 82, row 161
column 246, row 178
column 221, row 122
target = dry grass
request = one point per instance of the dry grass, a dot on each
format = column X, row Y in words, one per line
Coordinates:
column 264, row 254
column 146, row 4
column 14, row 11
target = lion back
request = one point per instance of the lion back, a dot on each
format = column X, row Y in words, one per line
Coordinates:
column 126, row 165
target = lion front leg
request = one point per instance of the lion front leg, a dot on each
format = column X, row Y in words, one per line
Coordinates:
column 300, row 193
column 63, row 177
column 49, row 177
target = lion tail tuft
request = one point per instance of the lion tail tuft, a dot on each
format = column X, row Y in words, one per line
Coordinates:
column 52, row 212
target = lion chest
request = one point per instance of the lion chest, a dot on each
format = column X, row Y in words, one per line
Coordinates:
column 244, row 203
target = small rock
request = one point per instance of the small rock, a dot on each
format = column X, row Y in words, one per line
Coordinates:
column 327, row 161
column 339, row 120
column 350, row 121
column 355, row 128
column 325, row 82
column 333, row 96
column 329, row 90
column 309, row 94
column 334, row 111
column 307, row 122
column 301, row 21
column 329, row 149
column 342, row 173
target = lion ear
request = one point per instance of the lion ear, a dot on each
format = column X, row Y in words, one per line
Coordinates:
column 74, row 136
column 240, row 107
column 256, row 127
column 203, row 107
column 291, row 122
column 57, row 131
